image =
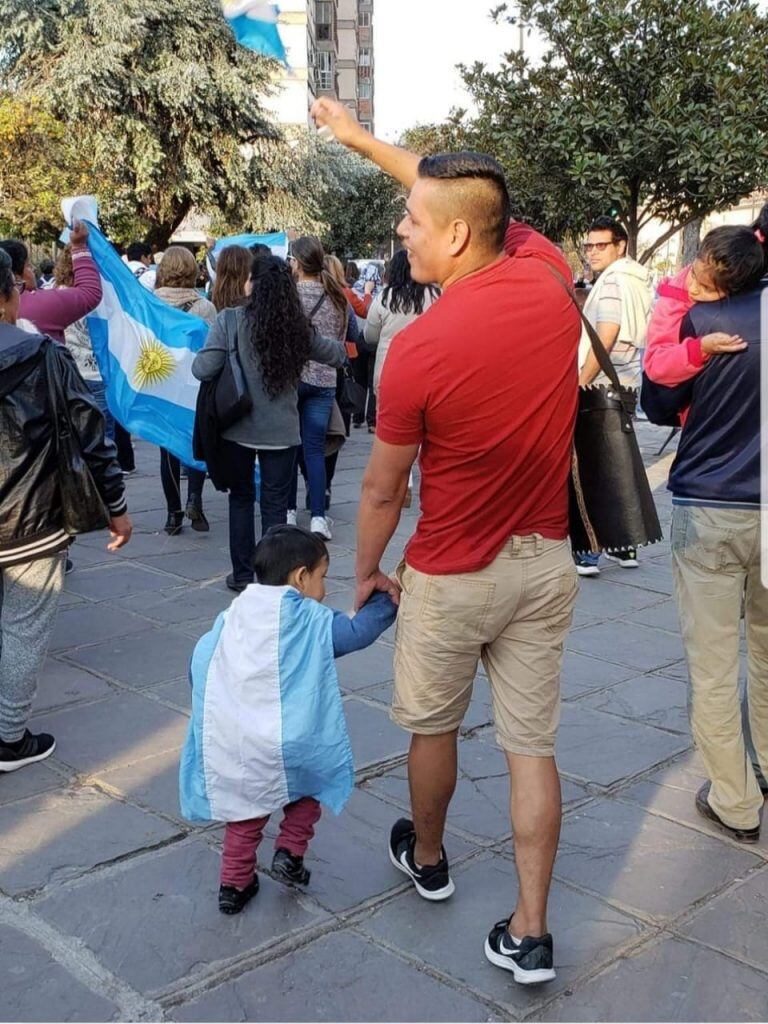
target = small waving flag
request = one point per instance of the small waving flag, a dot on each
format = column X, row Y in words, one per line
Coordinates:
column 254, row 24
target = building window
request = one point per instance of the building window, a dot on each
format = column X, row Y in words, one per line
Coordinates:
column 364, row 19
column 367, row 125
column 364, row 59
column 364, row 89
column 324, row 20
column 364, row 73
column 324, row 69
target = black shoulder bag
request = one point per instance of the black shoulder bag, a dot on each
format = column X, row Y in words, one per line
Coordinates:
column 82, row 507
column 231, row 396
column 611, row 503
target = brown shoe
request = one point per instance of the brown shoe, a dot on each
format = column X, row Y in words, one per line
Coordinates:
column 741, row 835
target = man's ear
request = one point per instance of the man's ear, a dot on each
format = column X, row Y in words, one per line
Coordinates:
column 299, row 578
column 459, row 238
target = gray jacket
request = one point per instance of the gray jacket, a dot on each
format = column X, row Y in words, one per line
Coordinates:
column 272, row 422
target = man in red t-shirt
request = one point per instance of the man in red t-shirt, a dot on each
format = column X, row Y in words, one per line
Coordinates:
column 484, row 386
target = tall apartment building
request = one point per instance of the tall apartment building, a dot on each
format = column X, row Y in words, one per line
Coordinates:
column 329, row 46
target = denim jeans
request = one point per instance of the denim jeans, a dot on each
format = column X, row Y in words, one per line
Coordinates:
column 278, row 470
column 315, row 406
column 99, row 391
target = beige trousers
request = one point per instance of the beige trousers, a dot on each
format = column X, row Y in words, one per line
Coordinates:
column 716, row 562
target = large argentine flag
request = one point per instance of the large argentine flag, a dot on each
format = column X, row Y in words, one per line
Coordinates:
column 267, row 722
column 145, row 350
column 254, row 24
column 277, row 242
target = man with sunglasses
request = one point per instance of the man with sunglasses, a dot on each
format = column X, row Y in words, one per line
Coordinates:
column 617, row 307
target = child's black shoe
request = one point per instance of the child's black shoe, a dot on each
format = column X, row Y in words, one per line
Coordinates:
column 232, row 900
column 286, row 865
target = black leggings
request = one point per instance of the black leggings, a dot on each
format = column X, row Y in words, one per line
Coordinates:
column 170, row 475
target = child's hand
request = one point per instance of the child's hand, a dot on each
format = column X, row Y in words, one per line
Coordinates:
column 722, row 344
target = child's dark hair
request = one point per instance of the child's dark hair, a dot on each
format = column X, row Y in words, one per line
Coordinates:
column 284, row 549
column 760, row 227
column 735, row 258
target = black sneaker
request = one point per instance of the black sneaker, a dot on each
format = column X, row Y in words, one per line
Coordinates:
column 232, row 900
column 741, row 835
column 291, row 868
column 627, row 559
column 196, row 516
column 237, row 585
column 27, row 750
column 68, row 567
column 530, row 960
column 432, row 881
column 174, row 524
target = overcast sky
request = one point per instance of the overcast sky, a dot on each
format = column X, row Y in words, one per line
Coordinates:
column 418, row 44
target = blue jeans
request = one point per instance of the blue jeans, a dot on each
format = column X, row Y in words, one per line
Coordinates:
column 99, row 391
column 315, row 406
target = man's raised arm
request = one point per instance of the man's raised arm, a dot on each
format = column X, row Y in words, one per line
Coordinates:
column 399, row 163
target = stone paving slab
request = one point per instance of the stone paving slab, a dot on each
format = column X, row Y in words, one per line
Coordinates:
column 37, row 988
column 639, row 647
column 36, row 779
column 341, row 977
column 645, row 863
column 154, row 656
column 79, row 626
column 52, row 837
column 656, row 700
column 117, row 580
column 735, row 922
column 668, row 981
column 109, row 733
column 156, row 919
column 61, row 684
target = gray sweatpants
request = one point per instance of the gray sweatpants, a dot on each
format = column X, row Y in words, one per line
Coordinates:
column 29, row 598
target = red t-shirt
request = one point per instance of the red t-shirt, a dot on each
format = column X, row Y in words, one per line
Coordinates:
column 486, row 382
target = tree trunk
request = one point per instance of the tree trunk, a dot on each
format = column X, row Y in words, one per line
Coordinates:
column 689, row 243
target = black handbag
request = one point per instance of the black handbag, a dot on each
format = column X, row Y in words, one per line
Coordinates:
column 82, row 507
column 611, row 503
column 351, row 395
column 231, row 397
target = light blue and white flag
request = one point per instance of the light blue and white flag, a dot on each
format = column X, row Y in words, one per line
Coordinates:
column 267, row 724
column 277, row 242
column 145, row 350
column 254, row 24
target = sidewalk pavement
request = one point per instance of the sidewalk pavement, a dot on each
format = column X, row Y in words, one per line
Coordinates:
column 108, row 904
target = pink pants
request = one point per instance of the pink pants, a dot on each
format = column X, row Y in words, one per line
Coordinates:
column 242, row 838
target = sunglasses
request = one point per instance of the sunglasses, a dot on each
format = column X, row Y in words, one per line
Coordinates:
column 596, row 246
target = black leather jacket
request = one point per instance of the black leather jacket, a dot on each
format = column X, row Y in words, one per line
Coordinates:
column 30, row 505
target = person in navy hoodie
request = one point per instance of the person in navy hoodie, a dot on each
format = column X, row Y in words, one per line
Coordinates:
column 715, row 483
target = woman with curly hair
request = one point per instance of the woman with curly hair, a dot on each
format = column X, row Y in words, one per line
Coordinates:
column 274, row 341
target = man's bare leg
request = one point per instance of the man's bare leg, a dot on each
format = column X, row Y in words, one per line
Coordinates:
column 432, row 766
column 536, row 812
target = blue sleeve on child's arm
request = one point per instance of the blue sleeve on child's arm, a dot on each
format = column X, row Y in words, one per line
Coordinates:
column 353, row 634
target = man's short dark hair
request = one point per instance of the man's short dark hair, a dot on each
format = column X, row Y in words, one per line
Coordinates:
column 491, row 204
column 259, row 249
column 18, row 252
column 618, row 231
column 282, row 550
column 137, row 251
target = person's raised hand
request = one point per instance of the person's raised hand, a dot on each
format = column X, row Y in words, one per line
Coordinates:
column 376, row 581
column 334, row 116
column 79, row 233
column 120, row 529
column 719, row 343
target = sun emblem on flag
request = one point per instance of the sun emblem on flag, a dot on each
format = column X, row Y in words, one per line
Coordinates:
column 154, row 365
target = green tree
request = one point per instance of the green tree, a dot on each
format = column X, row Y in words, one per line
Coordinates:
column 647, row 109
column 157, row 97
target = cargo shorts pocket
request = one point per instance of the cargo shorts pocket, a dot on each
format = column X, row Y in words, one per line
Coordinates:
column 455, row 608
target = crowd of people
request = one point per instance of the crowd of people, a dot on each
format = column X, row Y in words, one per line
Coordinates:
column 469, row 359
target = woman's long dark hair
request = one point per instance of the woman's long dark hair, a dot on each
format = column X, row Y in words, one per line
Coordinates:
column 233, row 269
column 310, row 255
column 280, row 330
column 401, row 293
column 760, row 227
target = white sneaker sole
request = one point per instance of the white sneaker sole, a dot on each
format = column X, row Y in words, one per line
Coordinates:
column 625, row 563
column 13, row 766
column 588, row 570
column 522, row 977
column 433, row 897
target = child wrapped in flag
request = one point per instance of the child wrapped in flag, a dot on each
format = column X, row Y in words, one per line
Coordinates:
column 267, row 730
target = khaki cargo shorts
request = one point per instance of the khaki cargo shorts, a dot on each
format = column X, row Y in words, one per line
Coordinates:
column 514, row 615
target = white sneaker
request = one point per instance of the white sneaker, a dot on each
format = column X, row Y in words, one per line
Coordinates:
column 321, row 525
column 291, row 518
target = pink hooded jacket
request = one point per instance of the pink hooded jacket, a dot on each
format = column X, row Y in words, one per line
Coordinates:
column 669, row 359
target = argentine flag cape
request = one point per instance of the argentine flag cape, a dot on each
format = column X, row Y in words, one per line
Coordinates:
column 267, row 722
